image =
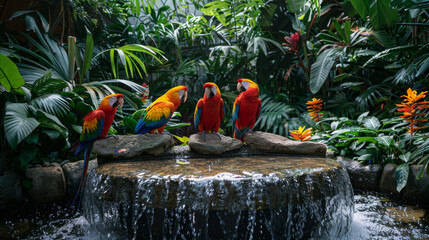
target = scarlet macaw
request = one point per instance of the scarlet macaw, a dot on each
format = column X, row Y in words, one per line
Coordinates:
column 160, row 111
column 210, row 110
column 247, row 108
column 96, row 125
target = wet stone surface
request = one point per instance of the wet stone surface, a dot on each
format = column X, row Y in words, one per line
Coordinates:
column 245, row 197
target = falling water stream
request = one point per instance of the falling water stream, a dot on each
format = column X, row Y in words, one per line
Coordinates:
column 235, row 198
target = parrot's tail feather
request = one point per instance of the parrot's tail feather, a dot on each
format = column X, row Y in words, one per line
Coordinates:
column 82, row 180
column 239, row 133
column 144, row 130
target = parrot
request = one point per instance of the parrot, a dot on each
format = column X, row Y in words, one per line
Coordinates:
column 160, row 111
column 96, row 125
column 210, row 110
column 246, row 109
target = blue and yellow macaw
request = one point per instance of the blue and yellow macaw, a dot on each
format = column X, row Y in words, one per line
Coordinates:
column 157, row 115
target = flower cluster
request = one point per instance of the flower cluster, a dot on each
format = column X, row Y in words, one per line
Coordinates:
column 145, row 93
column 411, row 107
column 314, row 107
column 301, row 134
column 293, row 41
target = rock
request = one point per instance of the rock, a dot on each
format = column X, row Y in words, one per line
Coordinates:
column 45, row 164
column 416, row 190
column 272, row 143
column 11, row 190
column 213, row 145
column 64, row 162
column 330, row 154
column 363, row 177
column 132, row 145
column 54, row 164
column 73, row 173
column 48, row 184
column 388, row 181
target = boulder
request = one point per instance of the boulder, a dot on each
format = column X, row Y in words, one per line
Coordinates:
column 363, row 177
column 48, row 184
column 11, row 190
column 73, row 173
column 416, row 190
column 132, row 146
column 388, row 181
column 212, row 144
column 272, row 143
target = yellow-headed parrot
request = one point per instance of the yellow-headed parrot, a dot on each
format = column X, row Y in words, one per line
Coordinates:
column 210, row 110
column 247, row 107
column 96, row 125
column 160, row 111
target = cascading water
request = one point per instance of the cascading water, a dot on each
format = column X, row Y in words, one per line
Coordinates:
column 263, row 197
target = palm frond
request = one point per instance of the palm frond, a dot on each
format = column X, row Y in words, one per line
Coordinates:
column 54, row 104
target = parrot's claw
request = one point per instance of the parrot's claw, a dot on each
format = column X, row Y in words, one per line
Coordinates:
column 219, row 135
column 113, row 136
column 168, row 133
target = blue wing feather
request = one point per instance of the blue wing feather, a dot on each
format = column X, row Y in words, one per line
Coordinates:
column 144, row 125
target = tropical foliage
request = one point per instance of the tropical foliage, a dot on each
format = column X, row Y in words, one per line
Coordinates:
column 348, row 62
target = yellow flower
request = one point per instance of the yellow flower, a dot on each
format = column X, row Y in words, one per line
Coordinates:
column 410, row 107
column 314, row 108
column 301, row 134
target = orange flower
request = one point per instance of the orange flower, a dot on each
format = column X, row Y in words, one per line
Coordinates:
column 301, row 134
column 410, row 108
column 314, row 109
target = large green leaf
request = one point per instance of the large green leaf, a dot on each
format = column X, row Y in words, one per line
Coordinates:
column 381, row 13
column 47, row 84
column 320, row 69
column 385, row 140
column 17, row 123
column 371, row 123
column 10, row 78
column 401, row 176
column 362, row 7
column 52, row 103
column 50, row 121
column 295, row 5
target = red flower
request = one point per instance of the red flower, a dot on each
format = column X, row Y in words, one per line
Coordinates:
column 145, row 93
column 293, row 41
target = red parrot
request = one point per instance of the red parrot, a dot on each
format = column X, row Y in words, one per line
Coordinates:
column 210, row 110
column 96, row 125
column 160, row 111
column 247, row 107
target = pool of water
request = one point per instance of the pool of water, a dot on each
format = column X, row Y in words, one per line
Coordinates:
column 375, row 217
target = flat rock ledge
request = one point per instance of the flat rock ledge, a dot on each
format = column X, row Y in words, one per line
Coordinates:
column 212, row 144
column 125, row 147
column 272, row 143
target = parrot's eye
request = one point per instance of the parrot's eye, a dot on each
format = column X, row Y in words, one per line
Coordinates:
column 245, row 85
column 181, row 92
column 113, row 101
column 214, row 90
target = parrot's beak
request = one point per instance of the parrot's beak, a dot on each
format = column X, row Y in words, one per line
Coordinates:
column 120, row 102
column 186, row 96
column 240, row 87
